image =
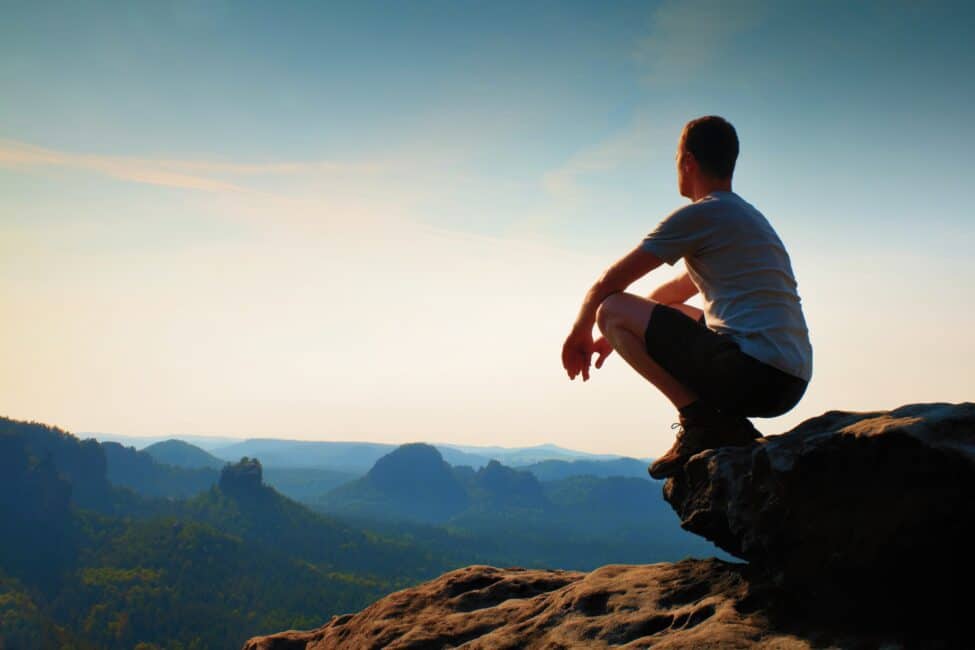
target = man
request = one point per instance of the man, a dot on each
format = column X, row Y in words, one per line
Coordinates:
column 747, row 353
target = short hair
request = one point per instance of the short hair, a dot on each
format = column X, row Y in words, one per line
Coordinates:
column 714, row 143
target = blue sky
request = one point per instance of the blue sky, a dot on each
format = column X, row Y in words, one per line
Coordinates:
column 265, row 197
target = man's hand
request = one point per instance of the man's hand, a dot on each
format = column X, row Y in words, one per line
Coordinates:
column 603, row 348
column 578, row 350
column 577, row 353
column 579, row 347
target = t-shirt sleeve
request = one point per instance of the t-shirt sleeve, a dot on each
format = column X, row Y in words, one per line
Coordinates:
column 678, row 235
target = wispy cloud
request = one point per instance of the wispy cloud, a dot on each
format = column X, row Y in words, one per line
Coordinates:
column 207, row 176
column 630, row 144
column 20, row 155
column 689, row 35
column 684, row 38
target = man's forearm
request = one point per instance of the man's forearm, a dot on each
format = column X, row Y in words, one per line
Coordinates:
column 594, row 297
column 628, row 269
column 590, row 304
column 665, row 295
column 674, row 292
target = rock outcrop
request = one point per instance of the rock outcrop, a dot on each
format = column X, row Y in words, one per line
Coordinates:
column 856, row 529
column 844, row 497
column 243, row 478
column 688, row 604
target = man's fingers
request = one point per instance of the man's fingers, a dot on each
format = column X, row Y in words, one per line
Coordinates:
column 570, row 368
column 601, row 358
column 569, row 361
column 576, row 361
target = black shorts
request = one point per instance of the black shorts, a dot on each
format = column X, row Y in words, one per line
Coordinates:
column 714, row 367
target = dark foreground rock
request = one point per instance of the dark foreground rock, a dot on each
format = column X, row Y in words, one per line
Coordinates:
column 858, row 498
column 689, row 604
column 857, row 529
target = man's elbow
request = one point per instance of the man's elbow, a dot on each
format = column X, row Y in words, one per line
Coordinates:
column 608, row 284
column 628, row 270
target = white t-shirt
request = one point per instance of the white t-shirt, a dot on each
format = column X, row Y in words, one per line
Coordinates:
column 743, row 272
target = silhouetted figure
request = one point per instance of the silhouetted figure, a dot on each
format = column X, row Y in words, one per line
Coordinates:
column 747, row 354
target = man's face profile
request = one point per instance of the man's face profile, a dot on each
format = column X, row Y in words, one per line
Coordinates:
column 682, row 160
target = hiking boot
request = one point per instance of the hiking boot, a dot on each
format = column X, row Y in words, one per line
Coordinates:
column 696, row 436
column 690, row 440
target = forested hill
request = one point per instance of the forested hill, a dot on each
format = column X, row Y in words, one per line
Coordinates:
column 179, row 453
column 511, row 517
column 94, row 566
column 139, row 471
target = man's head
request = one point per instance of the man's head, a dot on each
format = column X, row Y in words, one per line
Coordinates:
column 706, row 154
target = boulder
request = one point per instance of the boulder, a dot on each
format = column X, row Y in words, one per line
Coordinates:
column 843, row 497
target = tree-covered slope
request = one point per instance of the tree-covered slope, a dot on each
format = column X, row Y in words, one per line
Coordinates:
column 554, row 470
column 140, row 472
column 200, row 573
column 411, row 483
column 172, row 583
column 508, row 517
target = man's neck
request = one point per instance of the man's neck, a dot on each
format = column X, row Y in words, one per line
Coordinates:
column 705, row 186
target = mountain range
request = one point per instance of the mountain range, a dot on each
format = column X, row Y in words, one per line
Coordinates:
column 174, row 546
column 176, row 468
column 90, row 564
column 354, row 457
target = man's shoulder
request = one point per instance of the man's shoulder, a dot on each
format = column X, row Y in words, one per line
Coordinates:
column 729, row 207
column 702, row 213
column 696, row 211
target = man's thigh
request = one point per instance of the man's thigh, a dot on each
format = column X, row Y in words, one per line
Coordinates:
column 714, row 367
column 682, row 345
column 696, row 356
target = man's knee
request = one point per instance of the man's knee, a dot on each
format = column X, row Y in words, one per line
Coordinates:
column 623, row 310
column 608, row 312
column 604, row 314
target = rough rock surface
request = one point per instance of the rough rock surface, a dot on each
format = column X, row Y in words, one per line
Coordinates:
column 852, row 497
column 688, row 604
column 857, row 528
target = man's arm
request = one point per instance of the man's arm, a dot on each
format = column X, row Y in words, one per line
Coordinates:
column 674, row 292
column 578, row 348
column 627, row 270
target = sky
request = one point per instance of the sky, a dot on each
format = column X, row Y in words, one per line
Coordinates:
column 377, row 221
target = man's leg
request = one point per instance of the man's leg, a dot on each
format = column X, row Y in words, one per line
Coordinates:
column 623, row 320
column 693, row 312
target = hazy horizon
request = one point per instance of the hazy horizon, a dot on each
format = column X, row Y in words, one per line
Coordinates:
column 211, row 441
column 376, row 221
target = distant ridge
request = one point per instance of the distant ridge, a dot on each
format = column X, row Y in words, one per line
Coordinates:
column 350, row 456
column 355, row 457
column 207, row 443
column 182, row 454
column 527, row 455
column 554, row 470
column 359, row 457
